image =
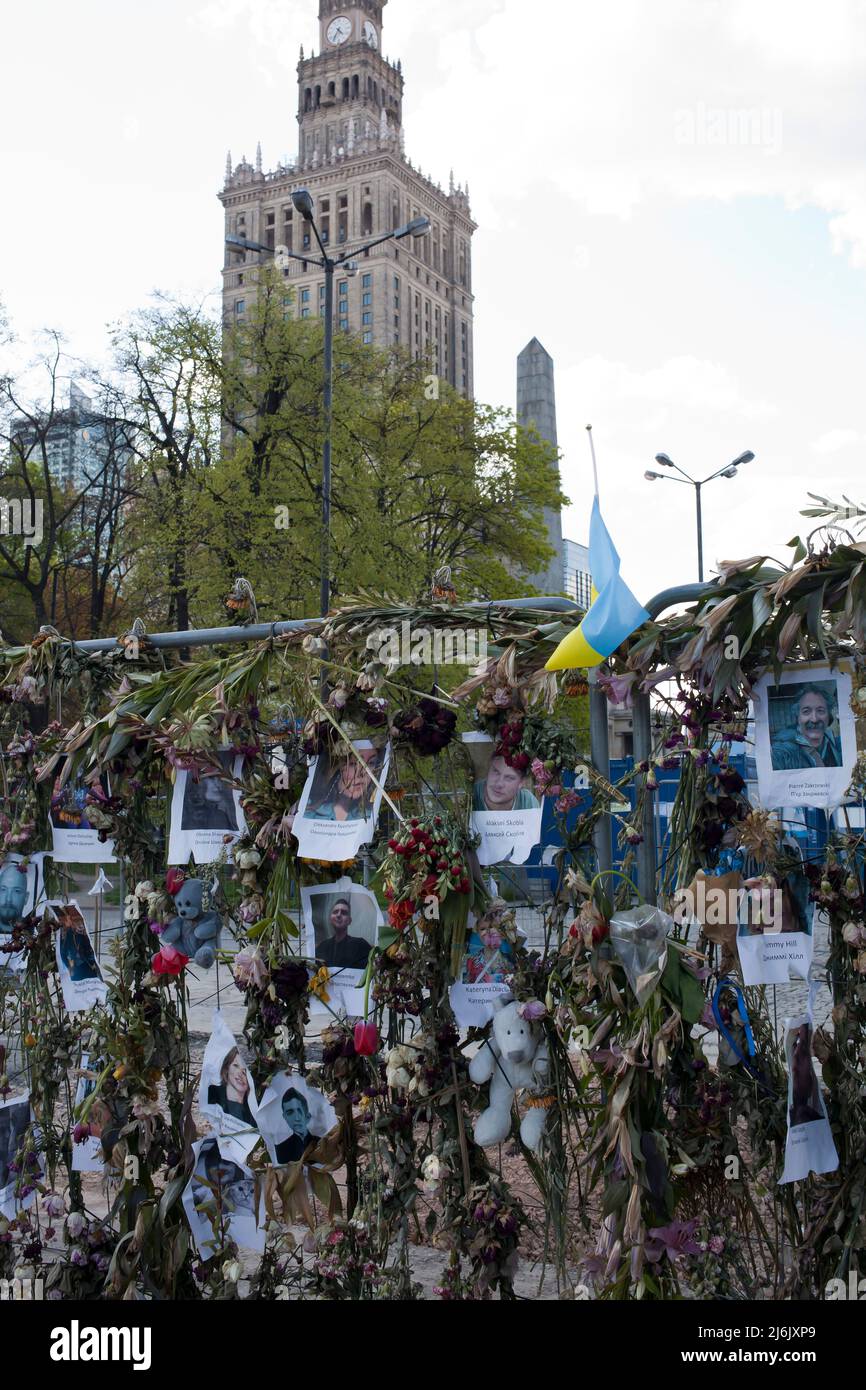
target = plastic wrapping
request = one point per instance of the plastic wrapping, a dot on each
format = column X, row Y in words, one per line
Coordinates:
column 638, row 936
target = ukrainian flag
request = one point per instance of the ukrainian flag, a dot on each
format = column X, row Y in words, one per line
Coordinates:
column 613, row 614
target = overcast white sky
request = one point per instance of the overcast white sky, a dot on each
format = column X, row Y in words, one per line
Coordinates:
column 698, row 275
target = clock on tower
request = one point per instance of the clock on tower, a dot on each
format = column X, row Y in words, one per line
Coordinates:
column 350, row 21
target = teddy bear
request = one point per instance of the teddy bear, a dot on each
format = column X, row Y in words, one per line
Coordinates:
column 193, row 932
column 514, row 1057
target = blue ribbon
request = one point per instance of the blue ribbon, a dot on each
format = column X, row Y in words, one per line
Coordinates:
column 751, row 1067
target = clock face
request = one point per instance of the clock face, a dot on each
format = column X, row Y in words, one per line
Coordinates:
column 370, row 35
column 339, row 29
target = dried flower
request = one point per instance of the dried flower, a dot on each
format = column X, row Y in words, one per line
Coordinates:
column 531, row 1010
column 76, row 1224
column 319, row 984
column 250, row 969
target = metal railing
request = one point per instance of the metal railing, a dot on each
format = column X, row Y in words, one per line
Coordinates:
column 598, row 705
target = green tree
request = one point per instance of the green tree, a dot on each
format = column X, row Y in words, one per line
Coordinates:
column 421, row 477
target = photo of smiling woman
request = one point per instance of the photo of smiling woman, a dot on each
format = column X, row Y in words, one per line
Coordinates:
column 232, row 1094
column 805, row 739
column 226, row 1093
column 342, row 790
column 340, row 802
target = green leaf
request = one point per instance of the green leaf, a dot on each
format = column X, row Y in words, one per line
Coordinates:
column 682, row 988
column 615, row 1196
column 169, row 1197
column 799, row 549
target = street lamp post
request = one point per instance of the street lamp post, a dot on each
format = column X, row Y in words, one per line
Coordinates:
column 729, row 471
column 303, row 202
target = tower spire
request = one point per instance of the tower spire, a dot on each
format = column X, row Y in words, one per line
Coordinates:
column 259, row 157
column 228, row 166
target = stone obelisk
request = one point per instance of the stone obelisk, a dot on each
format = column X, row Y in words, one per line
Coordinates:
column 536, row 405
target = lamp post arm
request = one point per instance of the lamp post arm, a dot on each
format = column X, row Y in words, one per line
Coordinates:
column 243, row 244
column 359, row 250
column 325, row 257
column 293, row 255
column 718, row 473
column 684, row 473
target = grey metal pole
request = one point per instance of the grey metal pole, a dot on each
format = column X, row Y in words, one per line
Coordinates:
column 325, row 590
column 700, row 534
column 599, row 745
column 647, row 850
column 260, row 632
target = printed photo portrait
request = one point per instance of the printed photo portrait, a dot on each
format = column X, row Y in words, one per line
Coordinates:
column 206, row 812
column 80, row 976
column 87, row 1153
column 74, row 840
column 339, row 805
column 486, row 969
column 805, row 743
column 226, row 1093
column 221, row 1188
column 14, row 1119
column 342, row 921
column 804, row 725
column 785, row 908
column 341, row 927
column 506, row 813
column 340, row 789
column 209, row 803
column 804, row 1099
column 293, row 1116
column 486, row 963
column 809, row 1147
column 18, row 888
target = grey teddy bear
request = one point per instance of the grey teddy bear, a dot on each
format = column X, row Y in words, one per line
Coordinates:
column 192, row 931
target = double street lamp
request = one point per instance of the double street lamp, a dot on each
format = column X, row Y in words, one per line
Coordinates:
column 303, row 203
column 729, row 471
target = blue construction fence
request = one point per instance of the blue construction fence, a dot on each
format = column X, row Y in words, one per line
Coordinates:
column 807, row 825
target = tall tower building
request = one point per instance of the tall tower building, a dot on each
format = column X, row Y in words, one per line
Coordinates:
column 351, row 157
column 536, row 406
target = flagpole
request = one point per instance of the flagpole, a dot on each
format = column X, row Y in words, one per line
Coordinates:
column 594, row 464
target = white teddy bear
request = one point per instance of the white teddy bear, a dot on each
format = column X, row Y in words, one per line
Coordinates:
column 514, row 1057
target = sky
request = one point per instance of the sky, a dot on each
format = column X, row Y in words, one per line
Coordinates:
column 671, row 196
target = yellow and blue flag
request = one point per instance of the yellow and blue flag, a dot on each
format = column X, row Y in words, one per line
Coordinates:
column 614, row 612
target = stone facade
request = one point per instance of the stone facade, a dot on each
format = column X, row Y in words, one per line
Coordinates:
column 415, row 292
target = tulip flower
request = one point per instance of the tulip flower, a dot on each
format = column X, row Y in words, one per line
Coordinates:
column 366, row 1039
column 168, row 961
column 173, row 880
